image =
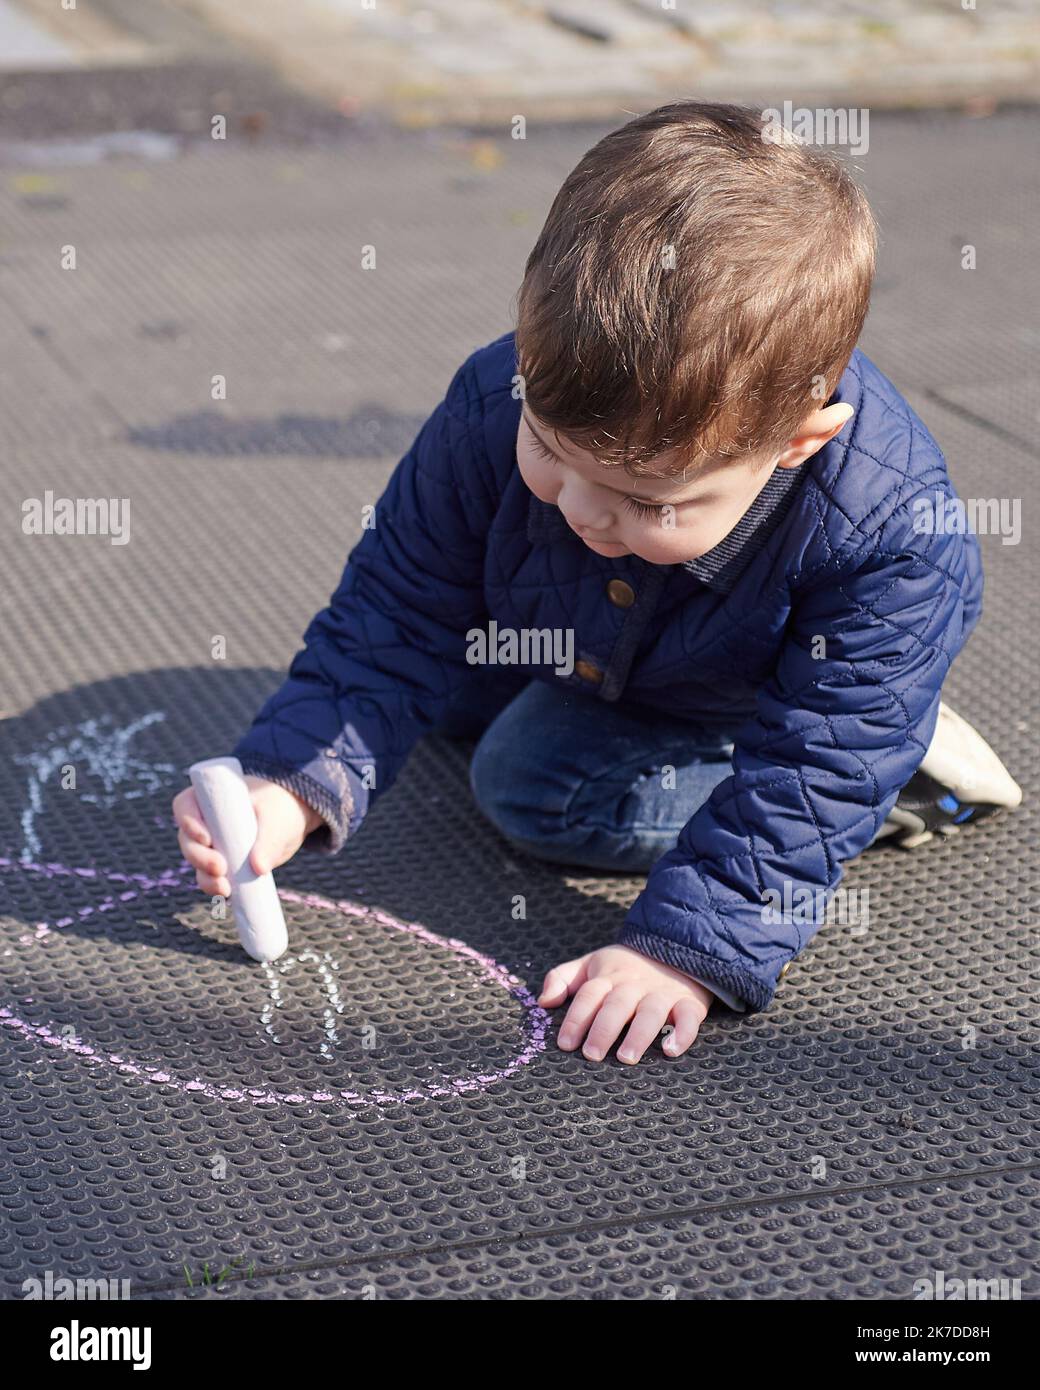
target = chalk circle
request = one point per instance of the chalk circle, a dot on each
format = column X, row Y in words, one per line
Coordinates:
column 534, row 1020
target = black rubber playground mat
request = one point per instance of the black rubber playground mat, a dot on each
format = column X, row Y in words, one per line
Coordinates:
column 385, row 1109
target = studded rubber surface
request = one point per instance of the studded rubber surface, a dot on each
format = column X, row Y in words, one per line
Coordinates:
column 383, row 1113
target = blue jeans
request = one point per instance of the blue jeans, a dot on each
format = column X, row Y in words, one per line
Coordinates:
column 576, row 780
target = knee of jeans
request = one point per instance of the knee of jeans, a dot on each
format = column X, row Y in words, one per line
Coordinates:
column 496, row 778
column 522, row 798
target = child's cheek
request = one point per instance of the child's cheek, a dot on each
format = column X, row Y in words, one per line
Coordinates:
column 535, row 476
column 663, row 545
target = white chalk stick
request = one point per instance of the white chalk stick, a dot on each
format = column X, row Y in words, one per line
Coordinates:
column 223, row 798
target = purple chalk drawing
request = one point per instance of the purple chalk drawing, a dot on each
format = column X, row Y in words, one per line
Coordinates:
column 534, row 1020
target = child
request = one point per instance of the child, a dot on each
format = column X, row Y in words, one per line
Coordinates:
column 669, row 551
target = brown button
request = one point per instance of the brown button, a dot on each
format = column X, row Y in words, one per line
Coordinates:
column 621, row 595
column 588, row 672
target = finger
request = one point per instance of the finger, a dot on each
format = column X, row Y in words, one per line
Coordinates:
column 214, row 884
column 617, row 1009
column 583, row 1009
column 213, row 887
column 651, row 1016
column 563, row 980
column 206, row 861
column 189, row 818
column 687, row 1017
column 196, row 829
column 191, row 847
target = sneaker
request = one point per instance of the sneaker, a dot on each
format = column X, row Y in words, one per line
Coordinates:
column 960, row 780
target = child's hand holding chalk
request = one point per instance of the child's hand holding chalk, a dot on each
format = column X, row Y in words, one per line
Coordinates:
column 283, row 822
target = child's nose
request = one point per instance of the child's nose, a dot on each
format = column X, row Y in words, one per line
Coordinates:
column 583, row 507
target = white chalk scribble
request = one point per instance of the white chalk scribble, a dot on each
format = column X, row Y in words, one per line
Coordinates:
column 324, row 965
column 99, row 749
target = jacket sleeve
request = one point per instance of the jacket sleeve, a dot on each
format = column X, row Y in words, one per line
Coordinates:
column 381, row 663
column 840, row 727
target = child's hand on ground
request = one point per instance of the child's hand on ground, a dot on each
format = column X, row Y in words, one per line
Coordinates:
column 283, row 823
column 615, row 986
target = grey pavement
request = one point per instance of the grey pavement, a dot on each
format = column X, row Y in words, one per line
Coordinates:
column 903, row 1058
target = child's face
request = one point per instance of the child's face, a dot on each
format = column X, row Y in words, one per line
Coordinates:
column 662, row 520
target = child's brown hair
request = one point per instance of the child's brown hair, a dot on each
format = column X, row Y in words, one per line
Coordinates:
column 697, row 287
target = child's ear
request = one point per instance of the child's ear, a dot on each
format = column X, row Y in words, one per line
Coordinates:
column 842, row 413
column 818, row 430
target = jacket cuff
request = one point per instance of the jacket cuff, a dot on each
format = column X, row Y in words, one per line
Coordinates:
column 324, row 839
column 725, row 996
column 713, row 973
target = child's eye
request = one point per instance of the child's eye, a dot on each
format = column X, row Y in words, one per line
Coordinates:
column 644, row 509
column 543, row 451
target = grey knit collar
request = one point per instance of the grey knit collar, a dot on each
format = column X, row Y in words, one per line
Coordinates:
column 720, row 567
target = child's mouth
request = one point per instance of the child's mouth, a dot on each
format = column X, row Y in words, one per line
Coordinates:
column 606, row 547
column 609, row 547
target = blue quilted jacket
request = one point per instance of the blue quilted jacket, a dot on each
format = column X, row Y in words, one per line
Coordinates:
column 832, row 729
